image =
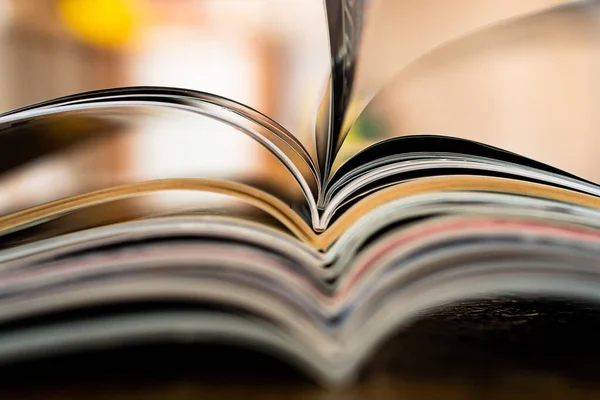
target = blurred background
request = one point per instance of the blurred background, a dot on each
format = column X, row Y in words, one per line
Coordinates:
column 519, row 74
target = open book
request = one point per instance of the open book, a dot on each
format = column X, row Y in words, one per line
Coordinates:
column 318, row 266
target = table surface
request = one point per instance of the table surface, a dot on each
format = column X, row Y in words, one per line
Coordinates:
column 485, row 349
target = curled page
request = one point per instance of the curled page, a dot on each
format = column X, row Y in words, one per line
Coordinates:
column 344, row 21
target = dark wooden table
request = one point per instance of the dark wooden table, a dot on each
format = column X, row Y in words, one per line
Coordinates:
column 512, row 349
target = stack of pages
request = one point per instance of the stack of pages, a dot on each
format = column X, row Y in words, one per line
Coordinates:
column 319, row 270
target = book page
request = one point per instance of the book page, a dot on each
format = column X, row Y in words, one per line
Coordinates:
column 396, row 32
column 345, row 25
column 272, row 206
column 527, row 86
column 80, row 156
column 447, row 183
